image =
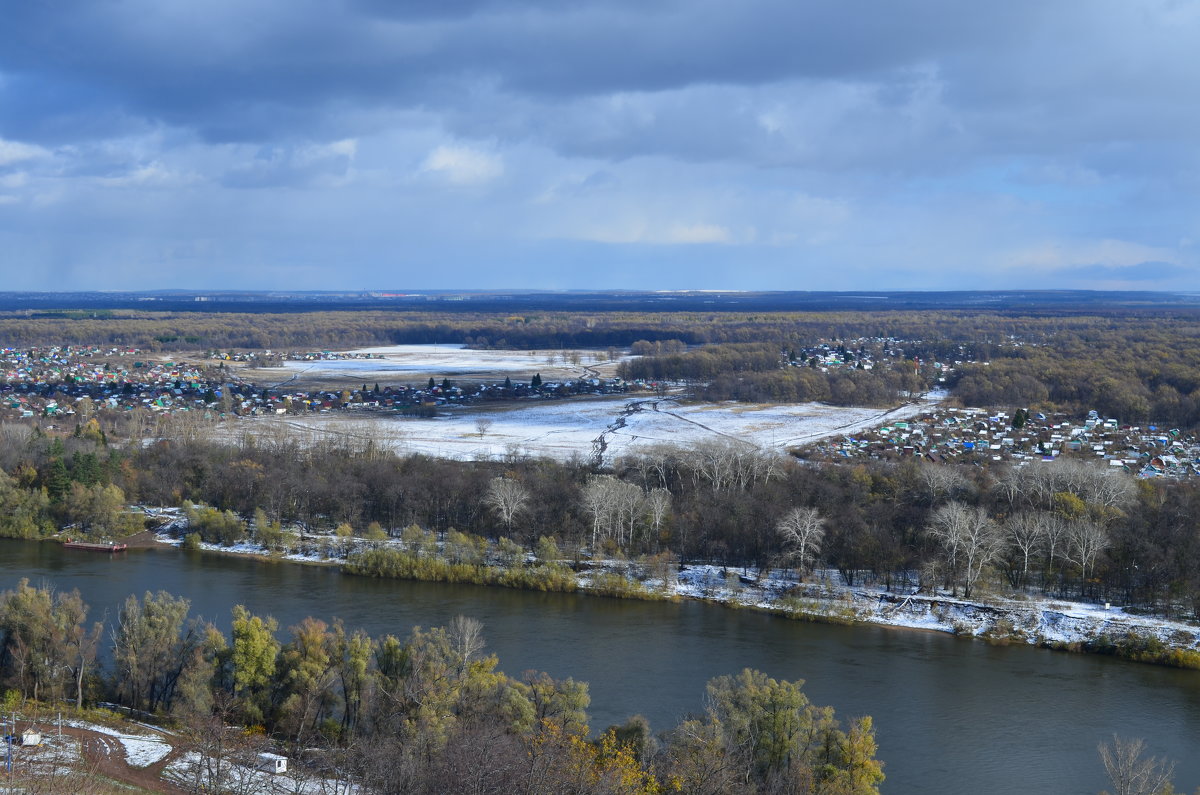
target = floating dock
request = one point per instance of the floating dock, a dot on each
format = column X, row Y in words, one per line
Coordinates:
column 91, row 546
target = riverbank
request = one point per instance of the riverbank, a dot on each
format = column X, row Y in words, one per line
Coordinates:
column 823, row 597
column 1053, row 624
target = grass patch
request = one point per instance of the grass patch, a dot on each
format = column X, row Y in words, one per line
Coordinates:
column 404, row 565
column 818, row 611
column 1144, row 649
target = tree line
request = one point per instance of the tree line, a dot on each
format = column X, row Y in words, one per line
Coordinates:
column 764, row 373
column 426, row 714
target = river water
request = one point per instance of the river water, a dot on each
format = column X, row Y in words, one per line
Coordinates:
column 952, row 715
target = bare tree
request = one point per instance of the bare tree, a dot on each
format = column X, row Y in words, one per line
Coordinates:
column 466, row 638
column 1026, row 532
column 943, row 482
column 1111, row 488
column 658, row 508
column 1055, row 530
column 219, row 757
column 659, row 461
column 598, row 498
column 507, row 498
column 969, row 539
column 1093, row 484
column 629, row 502
column 66, row 769
column 801, row 530
column 1131, row 773
column 1085, row 541
column 1015, row 484
column 727, row 463
column 483, row 425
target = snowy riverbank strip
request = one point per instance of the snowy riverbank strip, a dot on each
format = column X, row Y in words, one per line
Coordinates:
column 1037, row 621
column 825, row 597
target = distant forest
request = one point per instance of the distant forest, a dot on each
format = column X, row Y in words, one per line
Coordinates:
column 1138, row 365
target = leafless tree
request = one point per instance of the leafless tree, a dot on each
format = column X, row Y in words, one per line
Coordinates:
column 1015, row 485
column 629, row 502
column 1085, row 541
column 659, row 462
column 658, row 508
column 1133, row 774
column 598, row 498
column 943, row 482
column 801, row 530
column 1055, row 530
column 725, row 463
column 66, row 769
column 969, row 539
column 1112, row 489
column 1026, row 533
column 1093, row 484
column 483, row 425
column 220, row 757
column 466, row 638
column 507, row 498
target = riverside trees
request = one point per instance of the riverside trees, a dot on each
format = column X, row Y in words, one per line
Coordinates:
column 427, row 714
column 47, row 650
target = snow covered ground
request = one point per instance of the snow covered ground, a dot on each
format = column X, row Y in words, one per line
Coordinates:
column 141, row 750
column 563, row 429
column 190, row 768
column 399, row 363
column 1033, row 620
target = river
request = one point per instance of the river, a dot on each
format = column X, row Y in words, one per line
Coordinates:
column 952, row 715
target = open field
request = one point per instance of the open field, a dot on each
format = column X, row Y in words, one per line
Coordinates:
column 560, row 429
column 570, row 428
column 413, row 364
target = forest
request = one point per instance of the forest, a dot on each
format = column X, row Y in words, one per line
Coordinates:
column 425, row 714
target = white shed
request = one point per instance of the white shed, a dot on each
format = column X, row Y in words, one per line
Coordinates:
column 272, row 763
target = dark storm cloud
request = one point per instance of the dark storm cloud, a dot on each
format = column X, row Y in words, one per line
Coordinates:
column 838, row 85
column 787, row 140
column 222, row 67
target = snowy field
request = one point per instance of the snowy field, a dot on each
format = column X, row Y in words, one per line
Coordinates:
column 402, row 364
column 568, row 428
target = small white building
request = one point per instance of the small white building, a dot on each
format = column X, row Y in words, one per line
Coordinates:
column 272, row 763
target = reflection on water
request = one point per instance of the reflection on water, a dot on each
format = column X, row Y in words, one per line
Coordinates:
column 952, row 715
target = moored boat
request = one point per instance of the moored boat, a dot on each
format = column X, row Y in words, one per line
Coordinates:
column 93, row 546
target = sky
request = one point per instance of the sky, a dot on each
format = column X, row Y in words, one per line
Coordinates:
column 625, row 144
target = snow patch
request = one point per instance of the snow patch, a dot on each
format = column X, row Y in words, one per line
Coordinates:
column 141, row 750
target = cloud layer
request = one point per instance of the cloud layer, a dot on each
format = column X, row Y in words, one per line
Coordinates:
column 523, row 143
